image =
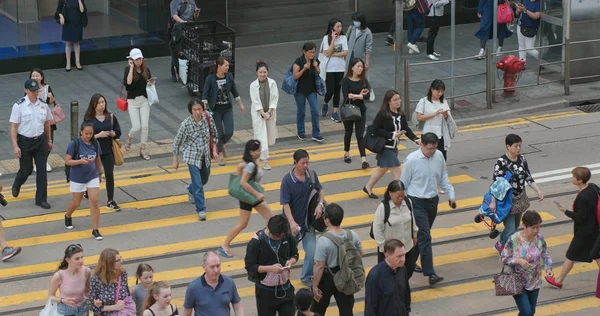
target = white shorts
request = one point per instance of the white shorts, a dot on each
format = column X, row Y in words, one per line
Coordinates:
column 82, row 187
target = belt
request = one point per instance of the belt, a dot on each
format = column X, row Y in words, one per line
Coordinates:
column 424, row 199
column 333, row 270
column 31, row 138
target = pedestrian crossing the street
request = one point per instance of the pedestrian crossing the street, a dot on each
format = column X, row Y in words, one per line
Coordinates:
column 162, row 229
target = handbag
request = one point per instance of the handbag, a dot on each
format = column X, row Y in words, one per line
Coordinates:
column 122, row 103
column 117, row 149
column 324, row 62
column 528, row 32
column 58, row 115
column 236, row 190
column 290, row 85
column 350, row 112
column 509, row 283
column 64, row 12
column 320, row 84
column 373, row 142
column 505, row 13
column 129, row 309
column 50, row 310
column 152, row 95
column 214, row 151
column 520, row 203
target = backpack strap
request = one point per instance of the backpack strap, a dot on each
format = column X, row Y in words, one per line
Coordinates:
column 387, row 210
column 410, row 209
column 75, row 148
column 335, row 239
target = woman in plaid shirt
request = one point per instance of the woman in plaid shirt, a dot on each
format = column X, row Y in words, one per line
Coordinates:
column 196, row 135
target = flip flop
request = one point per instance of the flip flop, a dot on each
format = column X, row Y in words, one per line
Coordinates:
column 224, row 253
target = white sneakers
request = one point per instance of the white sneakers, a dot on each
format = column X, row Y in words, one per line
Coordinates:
column 433, row 57
column 48, row 168
column 481, row 54
column 499, row 50
column 413, row 48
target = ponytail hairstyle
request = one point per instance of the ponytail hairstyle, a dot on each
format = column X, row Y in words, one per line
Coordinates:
column 394, row 186
column 303, row 300
column 251, row 145
column 69, row 253
column 261, row 63
column 220, row 61
column 142, row 267
column 154, row 290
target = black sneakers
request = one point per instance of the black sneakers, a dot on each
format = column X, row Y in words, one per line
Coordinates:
column 96, row 234
column 68, row 222
column 318, row 139
column 112, row 205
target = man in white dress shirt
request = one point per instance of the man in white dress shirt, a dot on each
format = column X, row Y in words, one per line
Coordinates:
column 30, row 135
column 422, row 172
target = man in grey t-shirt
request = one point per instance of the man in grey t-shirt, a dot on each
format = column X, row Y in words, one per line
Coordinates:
column 326, row 264
column 182, row 11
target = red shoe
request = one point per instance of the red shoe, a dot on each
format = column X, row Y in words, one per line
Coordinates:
column 553, row 282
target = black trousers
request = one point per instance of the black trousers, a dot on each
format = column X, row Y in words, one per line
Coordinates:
column 425, row 212
column 441, row 147
column 360, row 133
column 434, row 27
column 33, row 149
column 269, row 303
column 334, row 84
column 345, row 303
column 175, row 58
column 108, row 163
column 411, row 259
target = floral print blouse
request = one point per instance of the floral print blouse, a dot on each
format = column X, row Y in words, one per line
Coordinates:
column 106, row 293
column 519, row 169
column 534, row 252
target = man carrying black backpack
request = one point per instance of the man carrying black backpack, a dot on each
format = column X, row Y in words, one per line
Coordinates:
column 182, row 11
column 339, row 270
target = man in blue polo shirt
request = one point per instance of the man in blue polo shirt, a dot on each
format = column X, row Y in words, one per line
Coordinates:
column 212, row 294
column 295, row 191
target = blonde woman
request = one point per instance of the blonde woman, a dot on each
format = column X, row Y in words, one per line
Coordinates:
column 265, row 96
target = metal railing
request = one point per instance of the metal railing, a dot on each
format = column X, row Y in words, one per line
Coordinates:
column 490, row 71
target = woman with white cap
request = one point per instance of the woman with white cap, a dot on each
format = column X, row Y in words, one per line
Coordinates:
column 137, row 77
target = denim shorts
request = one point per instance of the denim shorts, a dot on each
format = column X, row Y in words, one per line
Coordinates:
column 81, row 310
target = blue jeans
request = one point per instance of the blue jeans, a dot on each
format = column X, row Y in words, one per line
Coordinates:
column 81, row 310
column 309, row 243
column 511, row 223
column 199, row 179
column 224, row 122
column 314, row 113
column 415, row 22
column 526, row 302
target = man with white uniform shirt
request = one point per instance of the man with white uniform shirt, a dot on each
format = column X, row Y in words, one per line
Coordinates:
column 30, row 134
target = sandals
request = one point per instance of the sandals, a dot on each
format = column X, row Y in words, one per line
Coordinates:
column 221, row 161
column 128, row 143
column 225, row 254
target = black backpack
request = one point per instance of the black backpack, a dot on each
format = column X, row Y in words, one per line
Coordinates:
column 388, row 210
column 76, row 153
column 313, row 202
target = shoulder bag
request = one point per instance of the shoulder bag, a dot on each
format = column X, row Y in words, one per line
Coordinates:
column 235, row 189
column 117, row 149
column 122, row 103
column 528, row 32
column 58, row 115
column 373, row 142
column 129, row 309
column 324, row 61
column 505, row 13
column 320, row 84
column 509, row 283
column 289, row 84
column 214, row 151
column 350, row 112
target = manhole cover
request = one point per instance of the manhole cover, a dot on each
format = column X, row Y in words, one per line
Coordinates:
column 589, row 108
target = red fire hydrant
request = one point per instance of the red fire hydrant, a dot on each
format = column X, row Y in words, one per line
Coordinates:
column 512, row 66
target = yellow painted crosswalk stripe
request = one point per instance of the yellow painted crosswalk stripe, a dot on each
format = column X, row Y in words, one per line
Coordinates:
column 195, row 244
column 233, row 265
column 153, row 224
column 565, row 307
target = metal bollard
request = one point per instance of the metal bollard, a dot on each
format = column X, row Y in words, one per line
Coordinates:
column 74, row 119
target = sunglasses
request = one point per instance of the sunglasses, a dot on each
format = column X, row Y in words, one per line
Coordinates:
column 74, row 247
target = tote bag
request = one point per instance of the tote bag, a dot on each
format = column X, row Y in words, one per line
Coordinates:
column 509, row 283
column 374, row 143
column 324, row 62
column 117, row 149
column 129, row 309
column 505, row 13
column 50, row 310
column 236, row 190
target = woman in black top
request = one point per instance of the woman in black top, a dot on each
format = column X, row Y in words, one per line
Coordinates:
column 137, row 77
column 390, row 123
column 306, row 68
column 356, row 89
column 270, row 254
column 106, row 127
column 585, row 225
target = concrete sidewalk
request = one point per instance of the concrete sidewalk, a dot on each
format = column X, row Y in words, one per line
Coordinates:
column 167, row 116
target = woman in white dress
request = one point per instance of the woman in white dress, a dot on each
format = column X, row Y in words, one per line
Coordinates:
column 264, row 95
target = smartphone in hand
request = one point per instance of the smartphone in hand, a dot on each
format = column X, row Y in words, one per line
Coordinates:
column 557, row 204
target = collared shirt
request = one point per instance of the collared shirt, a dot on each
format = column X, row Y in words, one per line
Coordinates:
column 398, row 225
column 422, row 175
column 194, row 137
column 387, row 291
column 30, row 117
column 295, row 192
column 209, row 301
column 188, row 14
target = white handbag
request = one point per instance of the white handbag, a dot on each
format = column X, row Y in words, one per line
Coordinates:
column 324, row 61
column 50, row 310
column 152, row 95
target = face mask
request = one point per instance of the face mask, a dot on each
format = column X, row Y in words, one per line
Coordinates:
column 356, row 24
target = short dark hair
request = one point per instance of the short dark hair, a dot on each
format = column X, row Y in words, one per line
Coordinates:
column 360, row 17
column 195, row 102
column 308, row 46
column 531, row 218
column 300, row 154
column 582, row 173
column 335, row 213
column 85, row 124
column 278, row 225
column 512, row 139
column 429, row 139
column 391, row 245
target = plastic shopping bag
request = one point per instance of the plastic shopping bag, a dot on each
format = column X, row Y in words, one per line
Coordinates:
column 152, row 95
column 49, row 310
column 183, row 70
